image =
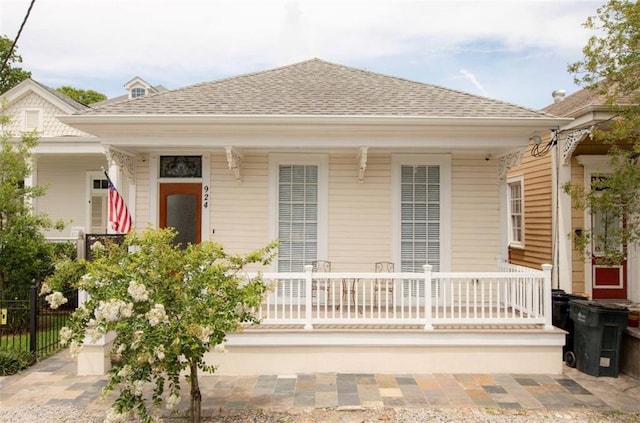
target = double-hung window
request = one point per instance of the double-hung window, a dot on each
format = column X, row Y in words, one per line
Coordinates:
column 515, row 210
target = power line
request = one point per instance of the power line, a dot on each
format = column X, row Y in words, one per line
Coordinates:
column 13, row 46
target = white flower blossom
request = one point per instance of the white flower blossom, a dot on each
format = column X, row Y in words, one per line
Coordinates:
column 138, row 291
column 113, row 310
column 74, row 348
column 125, row 371
column 182, row 359
column 137, row 336
column 172, row 401
column 159, row 352
column 138, row 387
column 65, row 335
column 113, row 416
column 97, row 246
column 45, row 289
column 157, row 315
column 205, row 334
column 55, row 299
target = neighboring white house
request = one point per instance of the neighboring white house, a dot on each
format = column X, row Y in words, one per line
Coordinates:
column 338, row 163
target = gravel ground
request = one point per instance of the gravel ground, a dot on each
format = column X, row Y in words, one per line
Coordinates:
column 59, row 414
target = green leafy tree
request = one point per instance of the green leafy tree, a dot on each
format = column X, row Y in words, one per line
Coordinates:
column 25, row 254
column 80, row 95
column 611, row 67
column 167, row 306
column 11, row 75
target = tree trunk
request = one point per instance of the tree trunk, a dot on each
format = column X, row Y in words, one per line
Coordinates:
column 196, row 396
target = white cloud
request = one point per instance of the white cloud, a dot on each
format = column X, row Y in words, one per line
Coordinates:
column 472, row 78
column 174, row 41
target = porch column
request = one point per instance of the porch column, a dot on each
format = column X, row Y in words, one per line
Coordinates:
column 32, row 180
column 562, row 244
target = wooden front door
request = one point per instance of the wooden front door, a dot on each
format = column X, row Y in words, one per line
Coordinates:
column 609, row 282
column 181, row 208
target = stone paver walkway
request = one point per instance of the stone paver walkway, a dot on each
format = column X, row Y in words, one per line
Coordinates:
column 54, row 382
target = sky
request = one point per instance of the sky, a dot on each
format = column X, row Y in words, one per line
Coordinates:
column 510, row 50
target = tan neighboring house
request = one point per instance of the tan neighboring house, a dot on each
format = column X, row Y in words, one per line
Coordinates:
column 345, row 166
column 569, row 155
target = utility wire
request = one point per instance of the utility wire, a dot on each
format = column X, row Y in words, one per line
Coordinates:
column 13, row 46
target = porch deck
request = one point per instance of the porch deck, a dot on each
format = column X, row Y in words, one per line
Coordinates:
column 431, row 322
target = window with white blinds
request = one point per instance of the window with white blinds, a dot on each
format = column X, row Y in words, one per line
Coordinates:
column 515, row 207
column 420, row 217
column 297, row 216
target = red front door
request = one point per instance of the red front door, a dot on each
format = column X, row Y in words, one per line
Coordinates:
column 609, row 282
column 180, row 208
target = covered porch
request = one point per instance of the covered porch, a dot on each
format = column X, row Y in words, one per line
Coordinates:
column 482, row 322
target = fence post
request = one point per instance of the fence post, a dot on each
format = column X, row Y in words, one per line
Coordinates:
column 428, row 289
column 308, row 313
column 33, row 317
column 546, row 291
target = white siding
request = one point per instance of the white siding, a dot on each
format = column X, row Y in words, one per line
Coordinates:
column 359, row 213
column 51, row 126
column 142, row 193
column 66, row 196
column 239, row 211
column 475, row 213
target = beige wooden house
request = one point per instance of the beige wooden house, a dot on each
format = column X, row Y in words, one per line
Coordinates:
column 343, row 166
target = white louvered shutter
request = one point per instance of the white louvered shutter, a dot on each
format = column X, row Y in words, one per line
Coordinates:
column 420, row 221
column 297, row 217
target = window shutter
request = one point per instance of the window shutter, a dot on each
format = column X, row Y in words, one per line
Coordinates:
column 420, row 221
column 297, row 217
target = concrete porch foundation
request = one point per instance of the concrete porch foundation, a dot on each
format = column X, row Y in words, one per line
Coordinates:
column 456, row 351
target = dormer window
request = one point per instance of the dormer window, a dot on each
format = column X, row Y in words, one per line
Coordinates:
column 138, row 92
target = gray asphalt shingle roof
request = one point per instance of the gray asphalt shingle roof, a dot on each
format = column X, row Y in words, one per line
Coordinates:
column 316, row 87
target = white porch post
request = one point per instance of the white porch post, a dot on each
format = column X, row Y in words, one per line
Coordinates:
column 563, row 246
column 546, row 292
column 307, row 299
column 32, row 180
column 428, row 324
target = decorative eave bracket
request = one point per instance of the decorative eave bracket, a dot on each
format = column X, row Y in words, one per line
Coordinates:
column 362, row 161
column 234, row 159
column 507, row 161
column 570, row 140
column 123, row 159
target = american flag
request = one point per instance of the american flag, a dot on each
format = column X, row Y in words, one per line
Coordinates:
column 118, row 213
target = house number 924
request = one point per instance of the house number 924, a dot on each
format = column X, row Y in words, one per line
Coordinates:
column 205, row 196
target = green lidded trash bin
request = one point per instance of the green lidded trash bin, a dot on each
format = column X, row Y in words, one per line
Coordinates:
column 597, row 337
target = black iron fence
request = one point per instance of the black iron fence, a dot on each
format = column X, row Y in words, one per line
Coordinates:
column 32, row 325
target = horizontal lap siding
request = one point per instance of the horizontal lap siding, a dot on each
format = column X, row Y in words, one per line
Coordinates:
column 475, row 213
column 359, row 213
column 142, row 217
column 239, row 211
column 538, row 239
column 66, row 198
column 577, row 221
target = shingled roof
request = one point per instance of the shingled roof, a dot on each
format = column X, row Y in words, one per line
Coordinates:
column 317, row 87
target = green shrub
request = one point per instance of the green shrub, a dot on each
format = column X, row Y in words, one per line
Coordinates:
column 13, row 361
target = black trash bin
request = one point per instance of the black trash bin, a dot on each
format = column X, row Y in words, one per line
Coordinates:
column 561, row 319
column 598, row 335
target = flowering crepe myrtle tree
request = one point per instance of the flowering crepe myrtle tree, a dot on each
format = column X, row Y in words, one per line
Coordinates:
column 167, row 306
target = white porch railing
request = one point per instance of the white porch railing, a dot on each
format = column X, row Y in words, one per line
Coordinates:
column 428, row 299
